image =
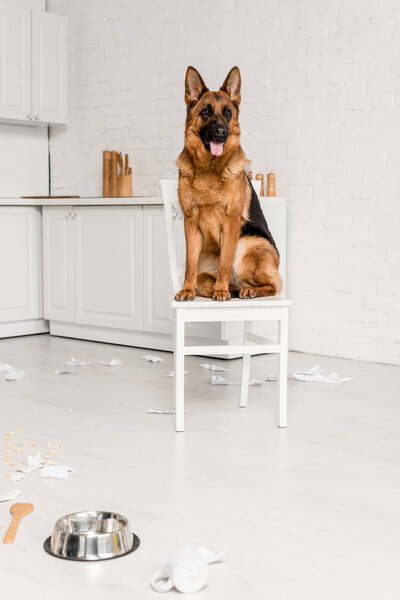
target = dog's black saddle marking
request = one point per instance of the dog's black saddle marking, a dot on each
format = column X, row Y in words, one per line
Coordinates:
column 256, row 225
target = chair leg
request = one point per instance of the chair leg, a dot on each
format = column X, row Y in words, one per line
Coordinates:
column 179, row 367
column 244, row 390
column 283, row 357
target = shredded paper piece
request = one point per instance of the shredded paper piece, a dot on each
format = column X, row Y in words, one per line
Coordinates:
column 16, row 477
column 152, row 358
column 13, row 374
column 219, row 380
column 62, row 372
column 172, row 373
column 33, row 463
column 76, row 363
column 5, row 367
column 313, row 375
column 10, row 495
column 209, row 556
column 115, row 362
column 167, row 411
column 55, row 471
column 211, row 367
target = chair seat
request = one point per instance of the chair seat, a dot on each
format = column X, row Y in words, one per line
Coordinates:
column 200, row 302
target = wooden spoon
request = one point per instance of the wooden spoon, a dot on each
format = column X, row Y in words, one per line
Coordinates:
column 18, row 511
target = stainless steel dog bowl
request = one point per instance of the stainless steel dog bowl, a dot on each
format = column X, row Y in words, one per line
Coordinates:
column 91, row 535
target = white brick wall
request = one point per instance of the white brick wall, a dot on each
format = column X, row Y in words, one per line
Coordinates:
column 321, row 108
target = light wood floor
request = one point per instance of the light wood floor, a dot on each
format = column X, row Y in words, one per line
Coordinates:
column 311, row 512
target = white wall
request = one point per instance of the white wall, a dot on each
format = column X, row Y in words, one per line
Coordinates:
column 321, row 108
column 24, row 164
column 24, row 161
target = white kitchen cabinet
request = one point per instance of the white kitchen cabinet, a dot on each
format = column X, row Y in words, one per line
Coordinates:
column 21, row 306
column 93, row 265
column 49, row 67
column 15, row 62
column 108, row 266
column 33, row 66
column 58, row 263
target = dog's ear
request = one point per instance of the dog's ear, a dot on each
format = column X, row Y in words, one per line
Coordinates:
column 232, row 85
column 194, row 86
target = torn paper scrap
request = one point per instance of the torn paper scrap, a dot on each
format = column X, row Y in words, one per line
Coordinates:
column 172, row 373
column 209, row 556
column 152, row 358
column 16, row 476
column 62, row 372
column 115, row 362
column 5, row 367
column 218, row 380
column 167, row 411
column 211, row 367
column 33, row 463
column 77, row 363
column 55, row 471
column 15, row 374
column 334, row 378
column 10, row 495
column 313, row 374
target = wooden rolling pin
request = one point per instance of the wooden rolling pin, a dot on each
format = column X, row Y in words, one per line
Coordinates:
column 271, row 191
column 113, row 175
column 260, row 177
column 106, row 173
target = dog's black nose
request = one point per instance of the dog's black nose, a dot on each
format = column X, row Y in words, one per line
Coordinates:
column 220, row 130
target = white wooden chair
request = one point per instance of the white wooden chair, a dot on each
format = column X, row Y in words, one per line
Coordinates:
column 205, row 309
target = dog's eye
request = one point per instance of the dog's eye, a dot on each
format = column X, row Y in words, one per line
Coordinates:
column 206, row 112
column 227, row 113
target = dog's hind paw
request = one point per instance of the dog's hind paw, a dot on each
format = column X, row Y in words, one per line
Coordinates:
column 248, row 292
column 184, row 295
column 221, row 295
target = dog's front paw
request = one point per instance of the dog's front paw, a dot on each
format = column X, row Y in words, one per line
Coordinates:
column 184, row 295
column 221, row 295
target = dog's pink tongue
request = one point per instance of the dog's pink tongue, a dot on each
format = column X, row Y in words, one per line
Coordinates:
column 216, row 148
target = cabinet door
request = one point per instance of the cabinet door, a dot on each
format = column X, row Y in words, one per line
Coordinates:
column 108, row 267
column 49, row 67
column 58, row 263
column 15, row 62
column 20, row 258
column 156, row 276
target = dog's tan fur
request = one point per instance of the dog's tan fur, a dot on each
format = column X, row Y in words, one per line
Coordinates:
column 215, row 199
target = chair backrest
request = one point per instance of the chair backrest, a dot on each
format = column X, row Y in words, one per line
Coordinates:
column 172, row 210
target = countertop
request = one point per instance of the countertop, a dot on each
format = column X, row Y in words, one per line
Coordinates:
column 135, row 201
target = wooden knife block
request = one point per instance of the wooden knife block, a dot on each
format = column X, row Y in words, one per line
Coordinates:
column 125, row 186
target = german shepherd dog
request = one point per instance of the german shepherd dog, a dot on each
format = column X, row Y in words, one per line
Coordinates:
column 229, row 247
